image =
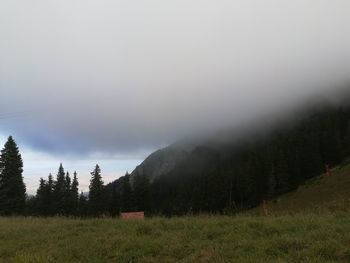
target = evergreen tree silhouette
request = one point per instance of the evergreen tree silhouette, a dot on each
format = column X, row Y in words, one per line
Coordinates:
column 142, row 193
column 12, row 187
column 74, row 194
column 127, row 204
column 67, row 195
column 59, row 192
column 49, row 194
column 96, row 202
column 40, row 206
column 82, row 205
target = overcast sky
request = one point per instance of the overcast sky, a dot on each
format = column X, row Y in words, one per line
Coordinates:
column 89, row 81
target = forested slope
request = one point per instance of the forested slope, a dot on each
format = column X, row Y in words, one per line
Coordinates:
column 237, row 176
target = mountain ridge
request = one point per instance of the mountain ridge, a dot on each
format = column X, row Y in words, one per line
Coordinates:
column 235, row 173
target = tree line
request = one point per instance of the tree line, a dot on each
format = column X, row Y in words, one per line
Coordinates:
column 232, row 178
column 60, row 196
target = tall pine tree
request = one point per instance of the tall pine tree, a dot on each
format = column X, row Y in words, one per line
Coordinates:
column 41, row 200
column 12, row 188
column 82, row 205
column 74, row 194
column 96, row 202
column 59, row 192
column 49, row 194
column 67, row 195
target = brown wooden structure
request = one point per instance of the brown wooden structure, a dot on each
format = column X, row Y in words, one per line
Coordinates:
column 132, row 215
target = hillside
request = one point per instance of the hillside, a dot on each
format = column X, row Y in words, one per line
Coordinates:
column 230, row 141
column 323, row 193
column 161, row 162
column 233, row 174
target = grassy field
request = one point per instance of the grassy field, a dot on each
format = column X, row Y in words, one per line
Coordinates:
column 298, row 238
column 311, row 224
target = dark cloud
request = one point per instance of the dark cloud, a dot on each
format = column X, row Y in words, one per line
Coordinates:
column 120, row 76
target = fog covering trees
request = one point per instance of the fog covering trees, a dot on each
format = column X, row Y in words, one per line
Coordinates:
column 232, row 178
column 238, row 177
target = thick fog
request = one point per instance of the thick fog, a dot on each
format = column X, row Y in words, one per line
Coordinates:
column 119, row 77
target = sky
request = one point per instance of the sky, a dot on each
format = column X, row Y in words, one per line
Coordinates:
column 98, row 81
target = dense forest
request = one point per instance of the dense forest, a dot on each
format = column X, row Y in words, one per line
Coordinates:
column 210, row 179
column 231, row 178
column 239, row 177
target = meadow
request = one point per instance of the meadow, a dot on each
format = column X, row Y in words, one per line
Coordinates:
column 284, row 238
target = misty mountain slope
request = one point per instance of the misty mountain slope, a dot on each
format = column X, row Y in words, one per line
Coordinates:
column 164, row 161
column 160, row 162
column 216, row 175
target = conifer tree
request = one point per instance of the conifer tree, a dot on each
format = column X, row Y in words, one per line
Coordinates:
column 82, row 205
column 67, row 195
column 59, row 192
column 127, row 195
column 43, row 199
column 115, row 202
column 67, row 182
column 49, row 194
column 40, row 197
column 12, row 187
column 112, row 198
column 74, row 194
column 96, row 187
column 141, row 193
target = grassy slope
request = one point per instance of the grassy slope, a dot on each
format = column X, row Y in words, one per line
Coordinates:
column 324, row 193
column 298, row 238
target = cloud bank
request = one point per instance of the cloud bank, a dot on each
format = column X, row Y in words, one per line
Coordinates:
column 103, row 76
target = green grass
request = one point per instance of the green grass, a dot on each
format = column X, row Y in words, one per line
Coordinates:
column 285, row 238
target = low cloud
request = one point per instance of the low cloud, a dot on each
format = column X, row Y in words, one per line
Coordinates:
column 119, row 77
